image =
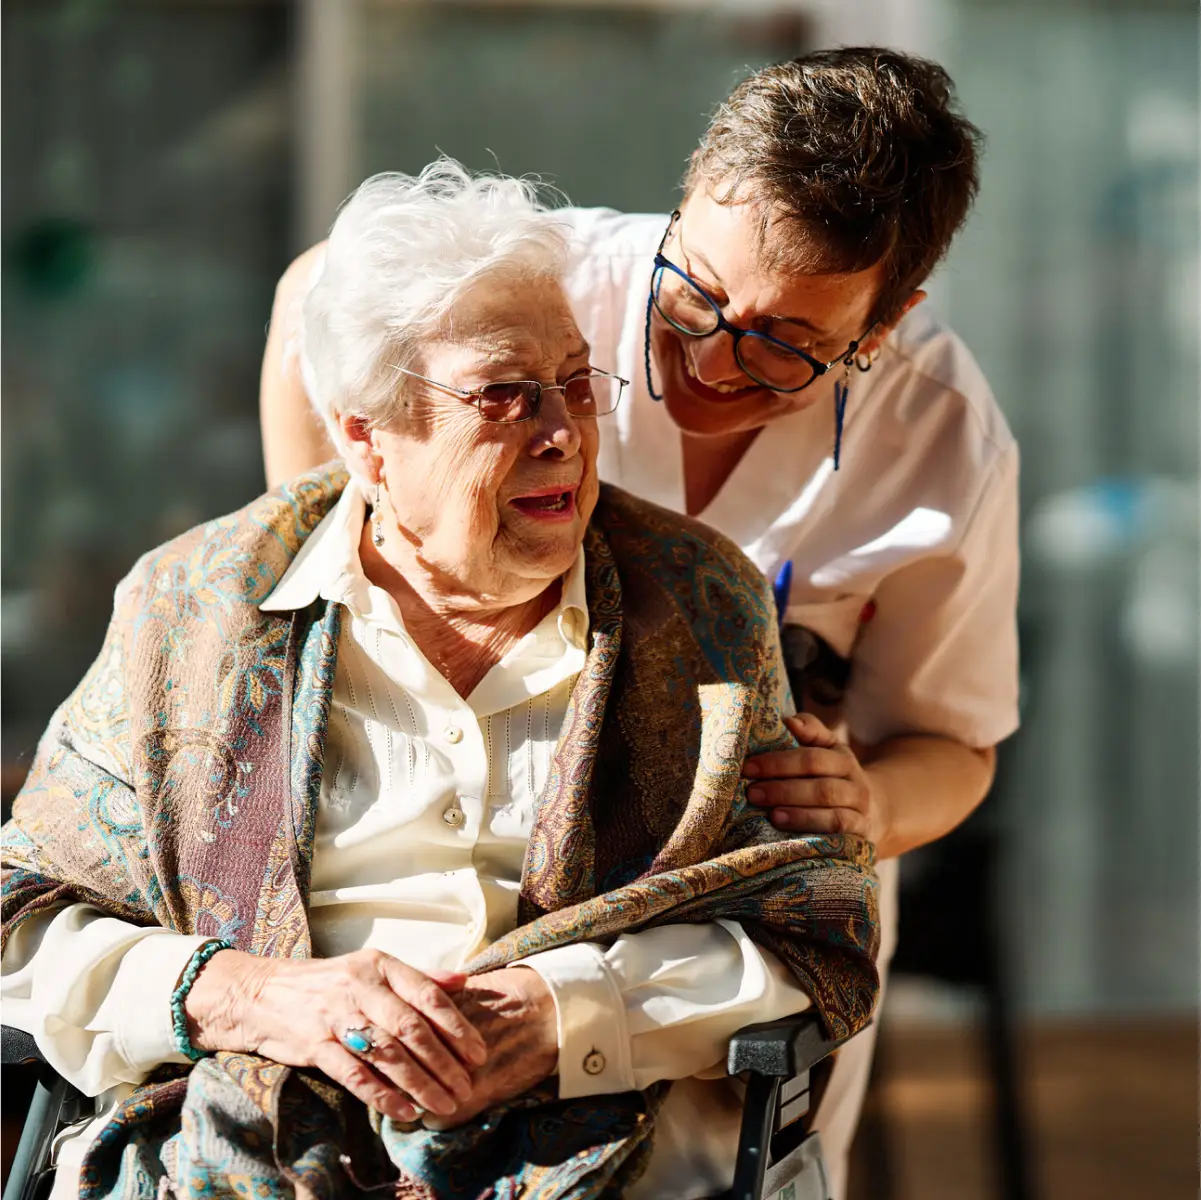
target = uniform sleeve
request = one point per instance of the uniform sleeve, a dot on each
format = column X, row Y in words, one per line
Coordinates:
column 940, row 655
column 659, row 1004
column 94, row 992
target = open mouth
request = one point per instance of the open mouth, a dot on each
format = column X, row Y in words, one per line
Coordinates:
column 546, row 504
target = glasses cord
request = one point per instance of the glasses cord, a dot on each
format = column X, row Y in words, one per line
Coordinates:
column 650, row 383
column 841, row 392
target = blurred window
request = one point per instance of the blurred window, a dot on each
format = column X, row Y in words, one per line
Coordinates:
column 146, row 165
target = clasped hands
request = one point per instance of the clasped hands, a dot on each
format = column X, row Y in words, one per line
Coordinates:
column 445, row 1044
column 452, row 1045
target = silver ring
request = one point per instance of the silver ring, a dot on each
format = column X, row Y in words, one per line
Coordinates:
column 360, row 1041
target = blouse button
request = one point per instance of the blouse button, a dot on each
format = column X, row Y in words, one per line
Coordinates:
column 594, row 1063
column 454, row 817
column 453, row 734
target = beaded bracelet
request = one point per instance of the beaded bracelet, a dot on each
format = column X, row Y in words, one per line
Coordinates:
column 179, row 1019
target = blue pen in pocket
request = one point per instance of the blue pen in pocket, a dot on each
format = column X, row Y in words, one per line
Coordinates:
column 781, row 589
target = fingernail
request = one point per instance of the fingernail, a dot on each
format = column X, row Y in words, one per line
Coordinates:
column 756, row 795
column 462, row 1087
column 751, row 769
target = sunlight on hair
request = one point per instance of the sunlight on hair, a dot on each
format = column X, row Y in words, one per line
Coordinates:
column 403, row 250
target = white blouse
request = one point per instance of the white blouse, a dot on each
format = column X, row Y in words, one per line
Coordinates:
column 426, row 806
column 427, row 799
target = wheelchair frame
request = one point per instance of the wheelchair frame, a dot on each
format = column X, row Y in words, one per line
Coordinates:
column 776, row 1159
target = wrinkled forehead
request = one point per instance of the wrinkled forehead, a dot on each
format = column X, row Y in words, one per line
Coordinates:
column 515, row 322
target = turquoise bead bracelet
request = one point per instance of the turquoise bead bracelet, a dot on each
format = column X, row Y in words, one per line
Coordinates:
column 179, row 1019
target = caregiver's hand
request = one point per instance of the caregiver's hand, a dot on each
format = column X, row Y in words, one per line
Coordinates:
column 514, row 1010
column 819, row 788
column 294, row 1010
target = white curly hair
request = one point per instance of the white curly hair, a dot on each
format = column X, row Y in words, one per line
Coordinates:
column 402, row 251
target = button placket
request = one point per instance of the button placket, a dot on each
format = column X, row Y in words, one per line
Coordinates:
column 464, row 745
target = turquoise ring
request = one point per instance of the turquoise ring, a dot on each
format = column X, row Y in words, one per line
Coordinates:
column 358, row 1041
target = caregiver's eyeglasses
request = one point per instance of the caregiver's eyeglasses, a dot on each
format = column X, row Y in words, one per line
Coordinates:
column 595, row 394
column 690, row 310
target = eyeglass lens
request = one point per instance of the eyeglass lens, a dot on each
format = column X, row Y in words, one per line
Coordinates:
column 687, row 308
column 584, row 396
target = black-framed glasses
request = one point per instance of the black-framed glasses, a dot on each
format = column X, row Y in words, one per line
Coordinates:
column 766, row 360
column 593, row 394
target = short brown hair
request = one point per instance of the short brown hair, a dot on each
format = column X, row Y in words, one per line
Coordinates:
column 862, row 148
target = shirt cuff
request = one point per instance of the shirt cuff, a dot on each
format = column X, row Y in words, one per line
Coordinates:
column 594, row 1043
column 138, row 1005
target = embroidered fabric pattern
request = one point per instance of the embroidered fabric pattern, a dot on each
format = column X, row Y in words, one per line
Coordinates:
column 164, row 772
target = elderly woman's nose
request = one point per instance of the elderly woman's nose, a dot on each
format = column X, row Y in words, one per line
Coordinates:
column 555, row 430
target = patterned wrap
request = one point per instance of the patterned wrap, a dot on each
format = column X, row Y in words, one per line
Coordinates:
column 178, row 786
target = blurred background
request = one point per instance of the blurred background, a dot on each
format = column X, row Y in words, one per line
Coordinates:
column 164, row 159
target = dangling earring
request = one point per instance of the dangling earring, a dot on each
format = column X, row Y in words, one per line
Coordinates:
column 841, row 392
column 377, row 518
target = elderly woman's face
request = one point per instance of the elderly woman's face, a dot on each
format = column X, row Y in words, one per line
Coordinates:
column 498, row 510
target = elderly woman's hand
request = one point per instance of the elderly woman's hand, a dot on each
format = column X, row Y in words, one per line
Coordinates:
column 514, row 1010
column 296, row 1010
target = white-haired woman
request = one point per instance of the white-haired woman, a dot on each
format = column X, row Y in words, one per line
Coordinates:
column 426, row 784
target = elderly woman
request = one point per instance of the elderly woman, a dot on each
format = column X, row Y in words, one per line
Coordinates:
column 402, row 809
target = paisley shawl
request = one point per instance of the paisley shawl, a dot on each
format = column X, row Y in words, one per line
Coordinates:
column 178, row 786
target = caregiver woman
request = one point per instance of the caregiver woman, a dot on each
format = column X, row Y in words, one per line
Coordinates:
column 812, row 412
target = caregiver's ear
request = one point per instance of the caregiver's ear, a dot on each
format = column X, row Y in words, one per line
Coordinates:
column 880, row 332
column 358, row 444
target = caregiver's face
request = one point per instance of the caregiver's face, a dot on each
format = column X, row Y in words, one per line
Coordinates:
column 497, row 511
column 705, row 391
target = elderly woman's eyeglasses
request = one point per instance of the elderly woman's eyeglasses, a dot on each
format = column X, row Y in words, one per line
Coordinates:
column 688, row 308
column 594, row 394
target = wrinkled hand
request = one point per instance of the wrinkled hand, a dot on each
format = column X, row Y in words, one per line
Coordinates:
column 514, row 1011
column 293, row 1011
column 819, row 788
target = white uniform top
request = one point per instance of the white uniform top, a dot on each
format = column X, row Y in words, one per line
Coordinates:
column 905, row 561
